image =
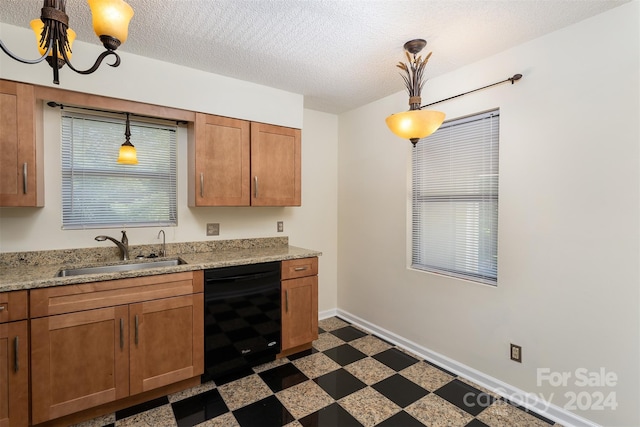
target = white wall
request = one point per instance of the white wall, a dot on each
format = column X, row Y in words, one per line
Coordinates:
column 569, row 282
column 314, row 225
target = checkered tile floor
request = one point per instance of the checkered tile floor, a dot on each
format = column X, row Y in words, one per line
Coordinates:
column 348, row 378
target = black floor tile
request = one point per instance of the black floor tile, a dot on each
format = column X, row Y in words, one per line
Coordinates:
column 476, row 423
column 348, row 333
column 339, row 384
column 320, row 330
column 344, row 354
column 330, row 416
column 395, row 359
column 401, row 419
column 199, row 408
column 267, row 412
column 133, row 410
column 282, row 377
column 465, row 397
column 400, row 390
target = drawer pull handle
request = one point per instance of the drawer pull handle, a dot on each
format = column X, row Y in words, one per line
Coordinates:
column 301, row 268
column 3, row 307
column 136, row 329
column 121, row 334
column 286, row 301
column 16, row 345
column 255, row 180
column 24, row 178
column 201, row 184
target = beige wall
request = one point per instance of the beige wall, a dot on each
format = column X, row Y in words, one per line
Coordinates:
column 568, row 283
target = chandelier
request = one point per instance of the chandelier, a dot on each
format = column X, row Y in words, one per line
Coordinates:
column 55, row 38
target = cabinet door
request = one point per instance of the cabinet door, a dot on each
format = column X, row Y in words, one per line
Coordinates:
column 167, row 341
column 14, row 374
column 220, row 154
column 275, row 165
column 21, row 178
column 78, row 361
column 299, row 311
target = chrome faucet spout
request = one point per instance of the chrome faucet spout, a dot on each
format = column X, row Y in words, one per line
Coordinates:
column 123, row 246
column 163, row 250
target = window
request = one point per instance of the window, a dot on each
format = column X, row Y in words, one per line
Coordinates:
column 455, row 199
column 98, row 192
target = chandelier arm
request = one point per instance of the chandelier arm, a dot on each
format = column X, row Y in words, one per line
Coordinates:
column 6, row 50
column 96, row 65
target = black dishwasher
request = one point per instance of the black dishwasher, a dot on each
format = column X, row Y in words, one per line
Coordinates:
column 241, row 317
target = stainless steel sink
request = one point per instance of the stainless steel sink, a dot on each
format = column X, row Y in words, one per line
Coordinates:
column 142, row 265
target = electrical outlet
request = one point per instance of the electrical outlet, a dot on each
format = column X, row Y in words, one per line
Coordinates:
column 213, row 229
column 280, row 226
column 516, row 353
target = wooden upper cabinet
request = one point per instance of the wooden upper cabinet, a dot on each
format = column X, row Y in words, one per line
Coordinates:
column 219, row 162
column 234, row 162
column 21, row 151
column 275, row 165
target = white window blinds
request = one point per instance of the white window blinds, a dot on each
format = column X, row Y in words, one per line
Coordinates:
column 455, row 199
column 98, row 192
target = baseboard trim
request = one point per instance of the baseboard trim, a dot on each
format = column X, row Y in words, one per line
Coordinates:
column 527, row 400
column 327, row 313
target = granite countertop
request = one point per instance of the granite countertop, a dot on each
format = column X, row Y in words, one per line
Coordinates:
column 21, row 271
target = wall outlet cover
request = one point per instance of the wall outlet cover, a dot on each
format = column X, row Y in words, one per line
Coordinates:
column 280, row 226
column 516, row 353
column 213, row 229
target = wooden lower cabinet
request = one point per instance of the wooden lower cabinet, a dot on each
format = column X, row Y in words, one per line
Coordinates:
column 167, row 344
column 83, row 359
column 14, row 374
column 78, row 361
column 299, row 302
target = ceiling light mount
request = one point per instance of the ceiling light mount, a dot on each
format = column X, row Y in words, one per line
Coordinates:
column 415, row 46
column 55, row 38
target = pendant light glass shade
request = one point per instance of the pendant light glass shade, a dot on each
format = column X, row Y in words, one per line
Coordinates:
column 415, row 124
column 128, row 155
column 111, row 18
column 37, row 26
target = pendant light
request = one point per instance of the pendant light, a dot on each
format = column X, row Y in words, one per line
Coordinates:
column 128, row 155
column 415, row 123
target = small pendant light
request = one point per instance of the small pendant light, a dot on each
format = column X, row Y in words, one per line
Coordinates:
column 127, row 154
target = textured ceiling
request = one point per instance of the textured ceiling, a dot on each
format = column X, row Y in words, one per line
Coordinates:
column 340, row 54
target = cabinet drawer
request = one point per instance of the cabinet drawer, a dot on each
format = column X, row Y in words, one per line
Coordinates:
column 13, row 306
column 70, row 298
column 302, row 267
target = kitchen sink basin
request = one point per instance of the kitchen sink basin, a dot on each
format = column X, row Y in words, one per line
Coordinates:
column 142, row 265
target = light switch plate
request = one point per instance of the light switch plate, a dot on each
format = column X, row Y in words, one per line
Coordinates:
column 213, row 229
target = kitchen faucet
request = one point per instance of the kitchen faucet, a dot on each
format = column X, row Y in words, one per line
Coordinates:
column 123, row 246
column 163, row 251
